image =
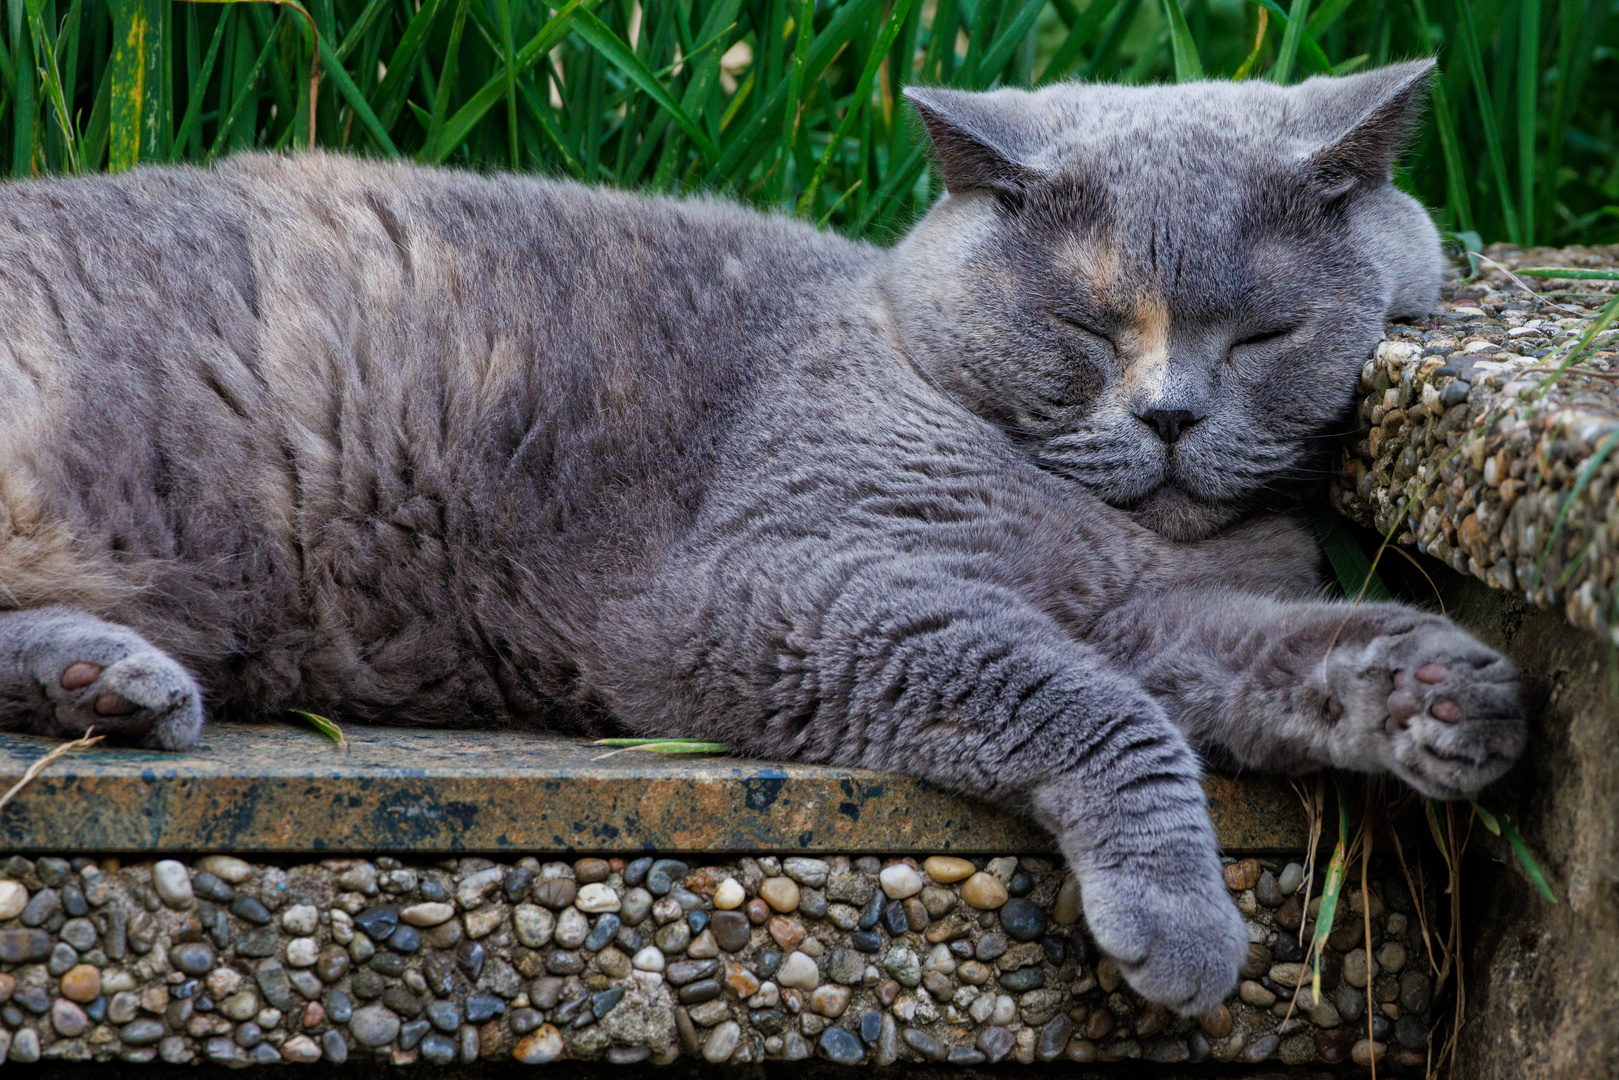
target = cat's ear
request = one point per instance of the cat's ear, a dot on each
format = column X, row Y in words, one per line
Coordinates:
column 974, row 141
column 1364, row 122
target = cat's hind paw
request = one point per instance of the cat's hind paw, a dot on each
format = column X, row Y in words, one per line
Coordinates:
column 74, row 672
column 1177, row 940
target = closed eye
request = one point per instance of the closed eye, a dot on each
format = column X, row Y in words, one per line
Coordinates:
column 1266, row 338
column 1075, row 324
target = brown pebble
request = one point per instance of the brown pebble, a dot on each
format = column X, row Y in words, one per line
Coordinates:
column 947, row 869
column 616, row 865
column 758, row 912
column 8, row 986
column 916, row 916
column 1216, row 1023
column 1154, row 1019
column 1100, row 1023
column 789, row 934
column 984, row 892
column 82, row 983
column 1107, row 975
column 1242, row 874
column 1290, row 916
column 589, row 871
column 887, row 992
column 78, row 676
column 556, row 894
column 314, row 1015
column 742, row 982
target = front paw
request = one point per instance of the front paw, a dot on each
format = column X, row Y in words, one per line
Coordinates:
column 1431, row 704
column 1173, row 931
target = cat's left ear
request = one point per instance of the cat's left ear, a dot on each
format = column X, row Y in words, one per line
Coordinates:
column 976, row 141
column 1364, row 121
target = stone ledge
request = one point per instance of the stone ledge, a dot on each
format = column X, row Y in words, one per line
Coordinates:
column 1461, row 454
column 282, row 789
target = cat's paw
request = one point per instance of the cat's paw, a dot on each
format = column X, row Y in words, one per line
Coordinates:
column 1174, row 932
column 118, row 684
column 1428, row 702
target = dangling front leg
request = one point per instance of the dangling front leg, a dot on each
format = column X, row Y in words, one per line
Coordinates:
column 900, row 663
column 1296, row 685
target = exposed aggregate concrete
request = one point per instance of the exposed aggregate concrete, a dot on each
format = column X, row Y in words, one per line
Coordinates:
column 1475, row 450
column 857, row 961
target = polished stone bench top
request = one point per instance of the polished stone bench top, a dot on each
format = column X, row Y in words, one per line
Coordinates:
column 282, row 788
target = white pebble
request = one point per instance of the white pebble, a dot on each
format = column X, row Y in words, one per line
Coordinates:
column 798, row 971
column 302, row 952
column 596, row 897
column 173, row 884
column 14, row 897
column 226, row 867
column 1005, row 1010
column 300, row 919
column 900, row 881
column 649, row 959
column 728, row 897
column 430, row 914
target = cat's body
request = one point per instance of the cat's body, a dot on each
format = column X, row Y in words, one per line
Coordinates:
column 414, row 445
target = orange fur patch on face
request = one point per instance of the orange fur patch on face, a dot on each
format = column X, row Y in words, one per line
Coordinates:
column 1096, row 263
column 1145, row 346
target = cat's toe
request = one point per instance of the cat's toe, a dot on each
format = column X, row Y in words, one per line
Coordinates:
column 1178, row 946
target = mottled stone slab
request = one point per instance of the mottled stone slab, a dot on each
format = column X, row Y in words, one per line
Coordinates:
column 1479, row 446
column 250, row 788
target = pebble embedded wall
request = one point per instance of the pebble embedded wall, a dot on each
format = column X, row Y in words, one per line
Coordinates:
column 851, row 960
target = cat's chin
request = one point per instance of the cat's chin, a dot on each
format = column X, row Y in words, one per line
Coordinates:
column 1173, row 514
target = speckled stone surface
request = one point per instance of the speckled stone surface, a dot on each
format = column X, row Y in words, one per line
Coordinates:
column 283, row 788
column 1471, row 450
column 230, row 962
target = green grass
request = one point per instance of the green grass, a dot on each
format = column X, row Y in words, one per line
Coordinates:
column 788, row 103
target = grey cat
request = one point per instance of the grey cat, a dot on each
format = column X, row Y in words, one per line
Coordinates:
column 1003, row 506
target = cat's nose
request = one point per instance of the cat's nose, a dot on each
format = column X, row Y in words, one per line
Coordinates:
column 1169, row 423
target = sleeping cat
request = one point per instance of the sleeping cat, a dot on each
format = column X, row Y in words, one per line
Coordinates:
column 1002, row 507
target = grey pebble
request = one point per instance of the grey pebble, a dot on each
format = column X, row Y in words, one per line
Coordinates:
column 841, row 1046
column 79, row 933
column 438, row 1049
column 43, row 904
column 339, row 1007
column 248, row 909
column 1023, row 979
column 991, row 946
column 1261, row 1048
column 996, row 1042
column 412, row 1033
column 444, row 1015
column 334, row 1047
column 924, row 1044
column 483, row 1007
column 664, row 874
column 63, row 956
column 374, row 1025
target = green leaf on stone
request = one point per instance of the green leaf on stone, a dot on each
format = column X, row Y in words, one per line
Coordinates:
column 326, row 727
column 667, row 746
column 1331, row 888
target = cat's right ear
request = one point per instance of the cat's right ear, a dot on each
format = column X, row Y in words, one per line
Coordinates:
column 974, row 144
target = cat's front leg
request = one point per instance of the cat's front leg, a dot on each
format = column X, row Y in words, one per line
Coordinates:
column 1295, row 685
column 64, row 672
column 898, row 664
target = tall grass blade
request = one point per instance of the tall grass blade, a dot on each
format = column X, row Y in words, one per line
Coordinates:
column 1528, row 113
column 1282, row 71
column 1188, row 64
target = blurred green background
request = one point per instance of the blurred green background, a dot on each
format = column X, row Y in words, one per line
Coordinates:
column 788, row 103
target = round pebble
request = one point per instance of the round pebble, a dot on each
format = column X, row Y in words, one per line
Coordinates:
column 781, row 893
column 374, row 1025
column 82, row 983
column 596, row 898
column 984, row 892
column 1023, row 919
column 68, row 1018
column 798, row 971
column 542, row 1045
column 899, row 881
column 729, row 895
column 172, row 881
column 429, row 914
column 13, row 898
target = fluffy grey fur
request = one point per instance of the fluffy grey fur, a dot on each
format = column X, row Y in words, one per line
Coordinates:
column 993, row 507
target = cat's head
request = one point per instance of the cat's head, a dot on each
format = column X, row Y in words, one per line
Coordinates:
column 1167, row 293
